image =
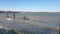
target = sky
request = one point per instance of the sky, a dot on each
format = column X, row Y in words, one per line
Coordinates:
column 30, row 5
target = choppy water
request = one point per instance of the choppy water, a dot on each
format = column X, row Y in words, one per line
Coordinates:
column 15, row 24
column 18, row 24
column 36, row 14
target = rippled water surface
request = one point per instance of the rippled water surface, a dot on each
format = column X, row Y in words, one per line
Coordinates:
column 26, row 25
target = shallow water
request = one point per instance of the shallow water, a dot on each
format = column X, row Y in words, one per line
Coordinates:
column 25, row 28
column 16, row 24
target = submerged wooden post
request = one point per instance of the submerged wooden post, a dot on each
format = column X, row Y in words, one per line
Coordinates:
column 13, row 15
column 7, row 15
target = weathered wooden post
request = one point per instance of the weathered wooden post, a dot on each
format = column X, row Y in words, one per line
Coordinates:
column 13, row 15
column 7, row 15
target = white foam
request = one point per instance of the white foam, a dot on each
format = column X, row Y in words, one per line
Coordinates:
column 3, row 27
column 9, row 19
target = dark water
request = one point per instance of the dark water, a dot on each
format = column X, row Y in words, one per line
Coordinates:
column 39, row 14
column 32, row 14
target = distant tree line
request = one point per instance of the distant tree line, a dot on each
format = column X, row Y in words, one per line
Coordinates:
column 9, row 12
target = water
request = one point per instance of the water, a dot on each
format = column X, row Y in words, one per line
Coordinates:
column 37, row 14
column 16, row 24
column 32, row 14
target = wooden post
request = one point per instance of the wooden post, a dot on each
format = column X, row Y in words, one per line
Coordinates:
column 13, row 15
column 7, row 15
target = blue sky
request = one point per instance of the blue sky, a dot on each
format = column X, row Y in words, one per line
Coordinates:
column 30, row 5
